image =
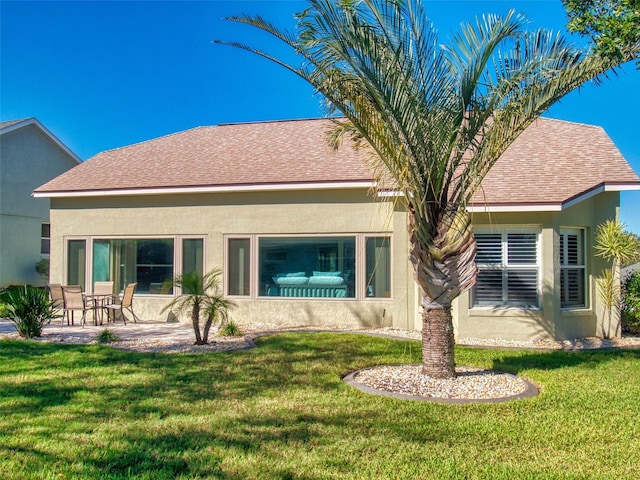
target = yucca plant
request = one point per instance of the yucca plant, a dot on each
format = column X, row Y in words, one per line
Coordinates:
column 616, row 245
column 203, row 299
column 433, row 117
column 29, row 308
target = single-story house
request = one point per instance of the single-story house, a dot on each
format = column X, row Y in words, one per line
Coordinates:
column 30, row 155
column 301, row 239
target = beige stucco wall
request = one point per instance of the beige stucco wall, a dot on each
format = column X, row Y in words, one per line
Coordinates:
column 340, row 212
column 28, row 159
column 214, row 215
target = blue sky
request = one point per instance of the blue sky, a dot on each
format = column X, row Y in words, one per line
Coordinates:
column 101, row 75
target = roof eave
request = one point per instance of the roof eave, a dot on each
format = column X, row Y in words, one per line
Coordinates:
column 364, row 184
column 555, row 206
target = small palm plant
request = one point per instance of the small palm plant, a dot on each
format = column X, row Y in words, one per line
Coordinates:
column 202, row 298
column 29, row 308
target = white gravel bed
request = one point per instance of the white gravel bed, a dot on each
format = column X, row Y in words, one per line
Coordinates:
column 470, row 383
column 184, row 343
column 216, row 343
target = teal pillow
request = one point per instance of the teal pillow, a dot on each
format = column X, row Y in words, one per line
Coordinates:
column 326, row 274
column 325, row 281
column 291, row 281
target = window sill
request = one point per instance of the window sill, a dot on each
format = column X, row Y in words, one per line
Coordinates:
column 500, row 310
column 576, row 312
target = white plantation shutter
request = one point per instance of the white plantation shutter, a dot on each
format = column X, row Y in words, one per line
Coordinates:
column 488, row 288
column 572, row 269
column 522, row 248
column 489, row 249
column 508, row 269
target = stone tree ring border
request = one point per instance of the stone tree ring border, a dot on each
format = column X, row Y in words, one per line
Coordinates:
column 530, row 390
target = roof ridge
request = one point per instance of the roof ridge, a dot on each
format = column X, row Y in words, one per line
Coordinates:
column 282, row 120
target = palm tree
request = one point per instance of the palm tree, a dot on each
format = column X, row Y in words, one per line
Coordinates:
column 202, row 298
column 434, row 119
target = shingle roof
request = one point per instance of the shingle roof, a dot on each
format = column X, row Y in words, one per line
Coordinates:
column 240, row 154
column 553, row 161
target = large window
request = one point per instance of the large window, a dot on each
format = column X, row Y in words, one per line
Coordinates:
column 349, row 267
column 508, row 269
column 152, row 263
column 149, row 262
column 572, row 269
column 307, row 267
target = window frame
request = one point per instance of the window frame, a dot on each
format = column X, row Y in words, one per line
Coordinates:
column 360, row 266
column 88, row 260
column 505, row 266
column 44, row 238
column 227, row 266
column 177, row 257
column 563, row 267
column 389, row 267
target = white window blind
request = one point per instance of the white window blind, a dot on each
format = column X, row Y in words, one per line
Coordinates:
column 508, row 267
column 572, row 269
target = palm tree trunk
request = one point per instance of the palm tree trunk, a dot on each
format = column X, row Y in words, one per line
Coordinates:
column 195, row 320
column 207, row 327
column 437, row 342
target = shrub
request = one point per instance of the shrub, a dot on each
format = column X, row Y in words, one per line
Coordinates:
column 107, row 336
column 230, row 329
column 42, row 267
column 631, row 303
column 29, row 308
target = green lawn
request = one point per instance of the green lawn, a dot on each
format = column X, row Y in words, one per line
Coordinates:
column 282, row 411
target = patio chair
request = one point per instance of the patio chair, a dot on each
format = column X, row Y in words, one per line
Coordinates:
column 55, row 293
column 125, row 302
column 74, row 300
column 101, row 297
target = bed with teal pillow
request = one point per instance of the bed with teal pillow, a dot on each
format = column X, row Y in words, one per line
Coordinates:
column 319, row 285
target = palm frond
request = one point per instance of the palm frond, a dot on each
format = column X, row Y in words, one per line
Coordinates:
column 434, row 119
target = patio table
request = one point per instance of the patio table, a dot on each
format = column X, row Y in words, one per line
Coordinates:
column 99, row 301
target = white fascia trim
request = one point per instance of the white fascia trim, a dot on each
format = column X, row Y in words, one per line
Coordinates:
column 554, row 207
column 606, row 187
column 514, row 208
column 207, row 189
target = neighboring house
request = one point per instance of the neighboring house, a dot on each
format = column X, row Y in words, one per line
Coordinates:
column 29, row 156
column 301, row 240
